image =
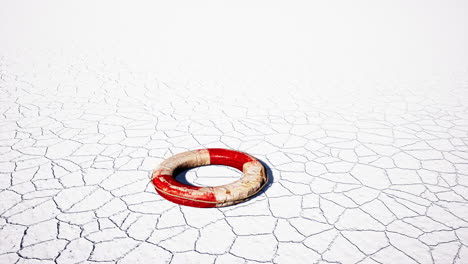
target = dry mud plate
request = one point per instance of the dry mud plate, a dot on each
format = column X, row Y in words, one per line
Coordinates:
column 363, row 129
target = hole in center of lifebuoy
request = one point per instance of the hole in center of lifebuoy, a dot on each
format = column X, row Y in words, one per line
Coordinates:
column 209, row 176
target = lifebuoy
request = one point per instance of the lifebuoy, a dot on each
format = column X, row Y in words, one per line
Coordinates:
column 253, row 180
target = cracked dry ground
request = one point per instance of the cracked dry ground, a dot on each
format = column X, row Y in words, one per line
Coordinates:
column 357, row 178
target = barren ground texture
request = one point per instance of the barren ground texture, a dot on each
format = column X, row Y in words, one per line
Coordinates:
column 356, row 177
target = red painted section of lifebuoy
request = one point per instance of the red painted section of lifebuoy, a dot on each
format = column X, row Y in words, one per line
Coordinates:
column 185, row 201
column 175, row 191
column 229, row 158
column 167, row 183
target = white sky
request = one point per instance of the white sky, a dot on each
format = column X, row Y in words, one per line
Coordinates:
column 320, row 42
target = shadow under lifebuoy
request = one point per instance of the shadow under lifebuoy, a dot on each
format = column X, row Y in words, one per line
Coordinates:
column 181, row 176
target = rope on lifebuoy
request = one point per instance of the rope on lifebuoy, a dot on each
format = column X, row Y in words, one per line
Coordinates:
column 253, row 180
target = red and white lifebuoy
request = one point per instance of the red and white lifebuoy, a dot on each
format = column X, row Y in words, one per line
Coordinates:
column 253, row 180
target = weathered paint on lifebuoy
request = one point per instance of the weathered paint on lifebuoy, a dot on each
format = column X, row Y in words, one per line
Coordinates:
column 253, row 180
